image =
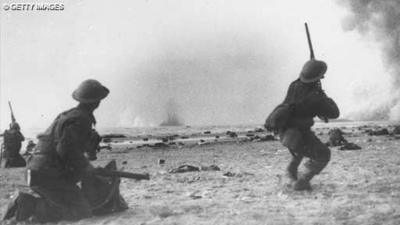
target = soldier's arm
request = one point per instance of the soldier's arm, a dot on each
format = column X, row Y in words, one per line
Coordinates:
column 71, row 145
column 21, row 136
column 327, row 108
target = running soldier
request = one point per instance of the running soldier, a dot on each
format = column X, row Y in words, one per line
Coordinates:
column 305, row 100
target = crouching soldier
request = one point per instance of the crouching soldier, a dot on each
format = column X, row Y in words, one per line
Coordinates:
column 12, row 147
column 58, row 164
column 293, row 120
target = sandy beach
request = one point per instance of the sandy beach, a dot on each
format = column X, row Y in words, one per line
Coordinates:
column 357, row 187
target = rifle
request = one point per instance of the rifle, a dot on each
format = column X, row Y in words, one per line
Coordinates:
column 12, row 113
column 309, row 42
column 312, row 57
column 116, row 173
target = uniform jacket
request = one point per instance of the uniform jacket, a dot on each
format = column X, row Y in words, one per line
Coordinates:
column 308, row 101
column 60, row 150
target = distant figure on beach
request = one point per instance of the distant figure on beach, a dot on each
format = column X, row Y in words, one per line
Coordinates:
column 29, row 148
column 293, row 120
column 58, row 164
column 12, row 147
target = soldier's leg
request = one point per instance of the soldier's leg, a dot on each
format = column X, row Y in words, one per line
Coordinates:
column 319, row 155
column 293, row 165
column 21, row 206
column 293, row 140
column 61, row 203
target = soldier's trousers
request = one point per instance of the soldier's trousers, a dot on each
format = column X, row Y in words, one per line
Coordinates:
column 15, row 160
column 60, row 200
column 303, row 143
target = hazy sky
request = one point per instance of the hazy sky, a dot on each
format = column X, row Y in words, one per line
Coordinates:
column 221, row 62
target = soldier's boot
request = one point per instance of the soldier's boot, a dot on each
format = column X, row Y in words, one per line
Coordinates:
column 22, row 206
column 303, row 182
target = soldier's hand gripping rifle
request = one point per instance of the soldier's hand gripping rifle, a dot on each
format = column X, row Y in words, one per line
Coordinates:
column 13, row 120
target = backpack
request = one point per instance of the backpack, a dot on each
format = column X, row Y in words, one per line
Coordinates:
column 279, row 117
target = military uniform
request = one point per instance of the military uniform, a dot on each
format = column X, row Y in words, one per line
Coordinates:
column 59, row 163
column 12, row 146
column 307, row 100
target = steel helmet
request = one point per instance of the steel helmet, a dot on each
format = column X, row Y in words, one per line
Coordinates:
column 90, row 91
column 313, row 70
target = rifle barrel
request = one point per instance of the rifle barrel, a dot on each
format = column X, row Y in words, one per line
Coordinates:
column 12, row 112
column 309, row 42
column 115, row 173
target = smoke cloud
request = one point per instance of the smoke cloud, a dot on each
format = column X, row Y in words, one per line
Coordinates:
column 218, row 62
column 380, row 21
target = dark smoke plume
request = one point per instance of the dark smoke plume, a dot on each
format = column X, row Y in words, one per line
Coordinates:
column 379, row 19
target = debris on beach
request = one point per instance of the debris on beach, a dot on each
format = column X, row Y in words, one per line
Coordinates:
column 396, row 130
column 349, row 146
column 210, row 168
column 267, row 137
column 201, row 142
column 259, row 130
column 184, row 169
column 231, row 174
column 377, row 132
column 159, row 145
column 113, row 136
column 231, row 134
column 106, row 140
column 189, row 168
column 107, row 147
column 195, row 195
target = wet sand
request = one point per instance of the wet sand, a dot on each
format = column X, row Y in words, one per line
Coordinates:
column 357, row 187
